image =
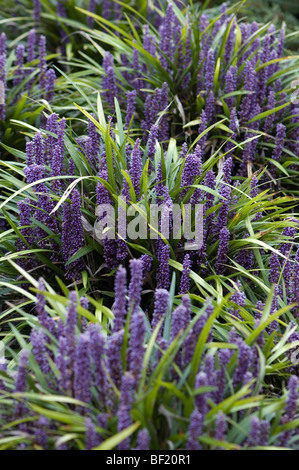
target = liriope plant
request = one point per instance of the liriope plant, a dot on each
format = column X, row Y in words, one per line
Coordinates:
column 182, row 378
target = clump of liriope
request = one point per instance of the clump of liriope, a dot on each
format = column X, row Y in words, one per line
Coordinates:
column 102, row 377
column 239, row 77
column 237, row 217
column 26, row 79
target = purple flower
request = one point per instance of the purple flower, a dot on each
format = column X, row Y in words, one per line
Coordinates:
column 135, row 286
column 147, row 263
column 224, row 237
column 125, row 406
column 254, row 432
column 97, row 349
column 39, row 347
column 152, row 142
column 201, row 398
column 29, row 153
column 223, row 210
column 191, row 170
column 210, row 105
column 163, row 274
column 92, row 439
column 227, row 170
column 185, row 280
column 36, row 10
column 39, row 148
column 136, row 167
column 248, row 101
column 120, row 304
column 274, row 268
column 41, row 431
column 148, row 41
column 3, row 44
column 20, row 383
column 160, row 307
column 82, row 369
column 244, row 361
column 279, row 142
column 229, row 42
column 131, row 104
column 91, row 9
column 57, row 168
column 210, row 70
column 264, row 433
column 220, row 427
column 195, row 430
column 72, row 235
column 109, row 83
column 2, row 85
column 230, row 85
column 19, row 72
column 61, row 363
column 26, row 211
column 202, row 128
column 42, row 62
column 291, row 401
column 31, row 42
column 136, row 344
column 115, row 343
column 180, row 321
column 50, row 84
column 143, row 440
column 166, row 31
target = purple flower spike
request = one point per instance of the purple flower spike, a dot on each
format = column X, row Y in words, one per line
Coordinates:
column 91, row 9
column 152, row 142
column 36, row 10
column 124, row 410
column 185, row 280
column 82, row 382
column 220, row 428
column 274, row 268
column 143, row 440
column 92, row 438
column 2, row 85
column 19, row 72
column 50, row 84
column 42, row 62
column 160, row 307
column 136, row 344
column 131, row 104
column 109, row 83
column 20, row 383
column 3, row 44
column 39, row 340
column 120, row 304
column 136, row 268
column 195, row 430
column 224, row 237
column 230, row 86
column 279, row 142
column 164, row 269
column 291, row 402
column 72, row 235
column 114, row 358
column 210, row 70
column 136, row 167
